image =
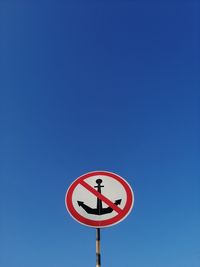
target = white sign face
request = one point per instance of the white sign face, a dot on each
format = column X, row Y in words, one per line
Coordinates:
column 99, row 199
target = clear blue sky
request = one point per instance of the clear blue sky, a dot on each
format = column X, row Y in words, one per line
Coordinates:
column 99, row 85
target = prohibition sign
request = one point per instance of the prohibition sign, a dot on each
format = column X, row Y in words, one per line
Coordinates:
column 99, row 199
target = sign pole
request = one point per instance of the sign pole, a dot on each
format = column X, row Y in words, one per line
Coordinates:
column 98, row 254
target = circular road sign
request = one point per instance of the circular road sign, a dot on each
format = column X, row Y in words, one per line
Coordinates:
column 99, row 199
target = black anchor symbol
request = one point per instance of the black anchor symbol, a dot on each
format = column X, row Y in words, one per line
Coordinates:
column 99, row 210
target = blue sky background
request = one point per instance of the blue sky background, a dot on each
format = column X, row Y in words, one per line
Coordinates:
column 99, row 85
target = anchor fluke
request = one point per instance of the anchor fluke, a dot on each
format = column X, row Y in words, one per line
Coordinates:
column 87, row 208
column 118, row 202
column 80, row 203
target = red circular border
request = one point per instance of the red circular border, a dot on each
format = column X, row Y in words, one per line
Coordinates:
column 104, row 223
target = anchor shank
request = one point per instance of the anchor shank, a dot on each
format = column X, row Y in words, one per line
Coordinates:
column 99, row 201
column 99, row 206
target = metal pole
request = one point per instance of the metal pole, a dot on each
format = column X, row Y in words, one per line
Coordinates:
column 98, row 254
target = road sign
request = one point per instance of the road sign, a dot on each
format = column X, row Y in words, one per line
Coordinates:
column 99, row 199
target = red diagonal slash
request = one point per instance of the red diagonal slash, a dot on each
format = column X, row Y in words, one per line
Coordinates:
column 100, row 196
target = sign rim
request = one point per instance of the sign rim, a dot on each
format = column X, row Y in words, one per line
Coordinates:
column 107, row 222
